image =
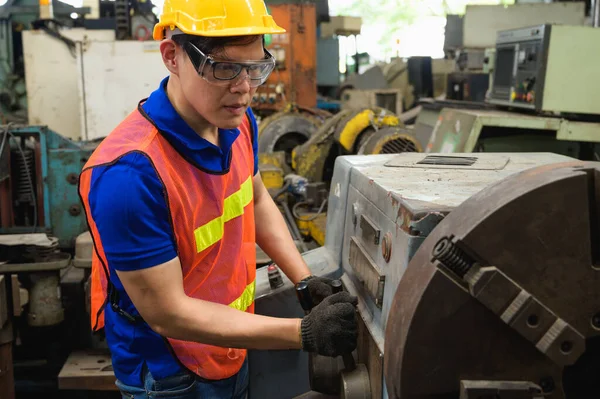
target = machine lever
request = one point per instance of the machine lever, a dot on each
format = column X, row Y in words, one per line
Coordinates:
column 349, row 363
column 304, row 296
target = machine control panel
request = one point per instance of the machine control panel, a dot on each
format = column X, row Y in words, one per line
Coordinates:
column 547, row 69
column 517, row 66
column 525, row 78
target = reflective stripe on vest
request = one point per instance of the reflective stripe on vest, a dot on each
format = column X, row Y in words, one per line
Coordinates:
column 233, row 207
column 246, row 299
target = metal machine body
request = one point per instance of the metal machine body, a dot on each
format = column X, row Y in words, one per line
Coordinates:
column 381, row 209
column 41, row 218
column 548, row 68
column 15, row 17
column 481, row 22
column 467, row 86
column 46, row 180
column 500, row 299
column 391, row 208
column 487, row 130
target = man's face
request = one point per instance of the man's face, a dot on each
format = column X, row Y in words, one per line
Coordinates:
column 221, row 106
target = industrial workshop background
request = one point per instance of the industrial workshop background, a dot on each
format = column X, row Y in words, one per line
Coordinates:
column 439, row 157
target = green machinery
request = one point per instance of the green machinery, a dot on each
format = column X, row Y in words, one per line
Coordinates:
column 544, row 97
column 484, row 130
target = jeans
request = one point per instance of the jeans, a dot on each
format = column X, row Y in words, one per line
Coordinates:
column 186, row 386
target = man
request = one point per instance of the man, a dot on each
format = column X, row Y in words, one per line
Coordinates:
column 175, row 206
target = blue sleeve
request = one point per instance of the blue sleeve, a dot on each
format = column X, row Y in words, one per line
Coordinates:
column 128, row 206
column 254, row 138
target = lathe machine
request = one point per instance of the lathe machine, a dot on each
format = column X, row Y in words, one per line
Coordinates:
column 476, row 276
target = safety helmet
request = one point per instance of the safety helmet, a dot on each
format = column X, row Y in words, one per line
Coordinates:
column 216, row 18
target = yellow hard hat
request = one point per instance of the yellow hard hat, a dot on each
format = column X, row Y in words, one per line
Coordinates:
column 216, row 18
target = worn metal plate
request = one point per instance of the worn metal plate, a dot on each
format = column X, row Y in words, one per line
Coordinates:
column 60, row 261
column 88, row 370
column 472, row 161
column 540, row 228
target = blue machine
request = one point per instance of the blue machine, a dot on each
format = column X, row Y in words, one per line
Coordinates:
column 39, row 179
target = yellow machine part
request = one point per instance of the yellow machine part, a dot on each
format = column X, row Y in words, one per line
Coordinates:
column 271, row 175
column 375, row 117
column 308, row 160
column 276, row 159
column 380, row 147
column 390, row 140
column 313, row 225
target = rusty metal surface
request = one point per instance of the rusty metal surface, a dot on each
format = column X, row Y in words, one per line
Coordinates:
column 418, row 187
column 540, row 228
column 297, row 72
column 314, row 156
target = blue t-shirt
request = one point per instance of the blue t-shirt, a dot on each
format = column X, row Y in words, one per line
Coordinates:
column 128, row 205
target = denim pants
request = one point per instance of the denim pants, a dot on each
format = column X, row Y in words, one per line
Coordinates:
column 186, row 386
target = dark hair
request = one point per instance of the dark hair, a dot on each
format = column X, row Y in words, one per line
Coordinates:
column 215, row 45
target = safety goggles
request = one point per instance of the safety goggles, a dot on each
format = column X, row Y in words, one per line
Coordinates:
column 223, row 73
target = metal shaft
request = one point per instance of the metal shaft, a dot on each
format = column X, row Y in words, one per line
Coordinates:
column 595, row 12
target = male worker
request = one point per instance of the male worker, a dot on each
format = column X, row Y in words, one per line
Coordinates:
column 175, row 206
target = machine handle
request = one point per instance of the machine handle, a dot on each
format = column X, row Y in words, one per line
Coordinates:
column 349, row 363
column 304, row 296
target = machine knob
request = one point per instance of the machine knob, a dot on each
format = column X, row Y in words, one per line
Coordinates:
column 529, row 83
column 336, row 286
column 304, row 296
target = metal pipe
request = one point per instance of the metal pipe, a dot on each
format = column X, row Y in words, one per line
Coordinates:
column 595, row 12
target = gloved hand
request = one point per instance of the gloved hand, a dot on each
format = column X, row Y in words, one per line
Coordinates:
column 319, row 288
column 331, row 329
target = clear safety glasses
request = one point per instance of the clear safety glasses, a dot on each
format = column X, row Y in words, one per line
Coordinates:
column 222, row 73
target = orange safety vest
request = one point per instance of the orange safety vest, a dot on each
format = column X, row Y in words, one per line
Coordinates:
column 212, row 216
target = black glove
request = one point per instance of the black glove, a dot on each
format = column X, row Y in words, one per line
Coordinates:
column 319, row 288
column 330, row 329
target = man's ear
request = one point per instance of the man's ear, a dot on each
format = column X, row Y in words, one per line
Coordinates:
column 168, row 51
